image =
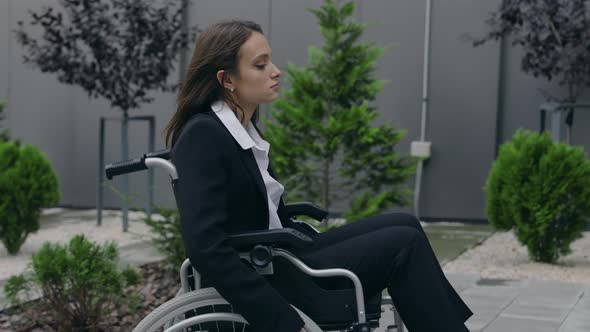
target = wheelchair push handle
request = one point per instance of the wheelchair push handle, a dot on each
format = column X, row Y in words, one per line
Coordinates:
column 125, row 167
column 134, row 165
column 164, row 154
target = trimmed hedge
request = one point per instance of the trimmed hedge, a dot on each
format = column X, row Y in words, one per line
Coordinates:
column 27, row 183
column 542, row 191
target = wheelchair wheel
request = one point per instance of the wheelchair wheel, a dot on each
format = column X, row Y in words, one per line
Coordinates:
column 213, row 313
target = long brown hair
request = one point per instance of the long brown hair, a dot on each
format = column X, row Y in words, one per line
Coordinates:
column 217, row 48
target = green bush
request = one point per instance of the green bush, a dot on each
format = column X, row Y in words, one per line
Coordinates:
column 542, row 190
column 168, row 237
column 27, row 183
column 80, row 281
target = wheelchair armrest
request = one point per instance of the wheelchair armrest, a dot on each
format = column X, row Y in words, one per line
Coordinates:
column 306, row 209
column 283, row 237
column 306, row 226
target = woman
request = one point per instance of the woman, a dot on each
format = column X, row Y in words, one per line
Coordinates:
column 226, row 186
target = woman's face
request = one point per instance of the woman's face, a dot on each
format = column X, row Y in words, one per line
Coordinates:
column 257, row 81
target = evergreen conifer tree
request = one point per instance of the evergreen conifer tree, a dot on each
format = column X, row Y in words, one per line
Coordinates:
column 324, row 144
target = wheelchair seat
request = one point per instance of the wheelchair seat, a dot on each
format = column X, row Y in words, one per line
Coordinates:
column 329, row 301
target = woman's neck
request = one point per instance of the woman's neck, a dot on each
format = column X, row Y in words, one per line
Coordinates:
column 248, row 113
column 242, row 110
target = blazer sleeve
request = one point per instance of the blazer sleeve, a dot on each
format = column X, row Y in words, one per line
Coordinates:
column 201, row 156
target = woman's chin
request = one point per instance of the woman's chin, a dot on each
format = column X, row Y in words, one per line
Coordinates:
column 271, row 99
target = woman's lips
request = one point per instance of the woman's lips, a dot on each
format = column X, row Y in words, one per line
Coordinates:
column 275, row 86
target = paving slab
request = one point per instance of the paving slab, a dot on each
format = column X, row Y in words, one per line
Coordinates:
column 512, row 324
column 486, row 305
column 462, row 281
column 540, row 311
column 577, row 321
column 555, row 292
column 579, row 318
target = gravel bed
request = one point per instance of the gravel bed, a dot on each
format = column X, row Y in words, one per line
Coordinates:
column 60, row 225
column 501, row 256
column 158, row 284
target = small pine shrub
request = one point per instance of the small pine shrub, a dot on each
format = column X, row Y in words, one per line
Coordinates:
column 542, row 191
column 79, row 282
column 27, row 183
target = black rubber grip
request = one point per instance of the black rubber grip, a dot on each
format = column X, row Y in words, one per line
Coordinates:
column 125, row 167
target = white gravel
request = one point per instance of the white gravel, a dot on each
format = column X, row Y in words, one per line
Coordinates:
column 501, row 256
column 60, row 225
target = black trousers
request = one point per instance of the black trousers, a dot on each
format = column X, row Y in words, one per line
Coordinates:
column 391, row 251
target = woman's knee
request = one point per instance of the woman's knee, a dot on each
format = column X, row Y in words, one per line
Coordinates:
column 405, row 239
column 406, row 219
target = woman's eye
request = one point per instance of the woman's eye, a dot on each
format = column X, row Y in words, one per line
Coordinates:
column 261, row 66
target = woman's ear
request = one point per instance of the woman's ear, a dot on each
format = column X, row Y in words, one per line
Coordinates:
column 221, row 76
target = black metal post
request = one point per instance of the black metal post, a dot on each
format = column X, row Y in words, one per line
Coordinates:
column 125, row 156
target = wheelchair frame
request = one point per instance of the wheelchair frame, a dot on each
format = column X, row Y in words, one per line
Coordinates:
column 160, row 159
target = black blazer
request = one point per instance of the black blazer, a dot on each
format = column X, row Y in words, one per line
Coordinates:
column 220, row 191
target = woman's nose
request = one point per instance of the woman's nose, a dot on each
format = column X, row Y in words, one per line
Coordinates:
column 277, row 71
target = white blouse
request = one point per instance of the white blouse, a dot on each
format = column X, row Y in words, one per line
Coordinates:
column 248, row 138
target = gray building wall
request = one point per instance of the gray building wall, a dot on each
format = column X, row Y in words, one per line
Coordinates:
column 477, row 96
column 462, row 120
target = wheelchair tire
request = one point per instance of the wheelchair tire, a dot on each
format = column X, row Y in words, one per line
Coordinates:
column 159, row 319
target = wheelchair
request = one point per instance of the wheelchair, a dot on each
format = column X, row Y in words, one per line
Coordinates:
column 197, row 307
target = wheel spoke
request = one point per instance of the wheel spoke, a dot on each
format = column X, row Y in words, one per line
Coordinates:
column 200, row 309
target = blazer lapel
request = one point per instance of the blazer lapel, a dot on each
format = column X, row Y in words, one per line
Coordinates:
column 249, row 161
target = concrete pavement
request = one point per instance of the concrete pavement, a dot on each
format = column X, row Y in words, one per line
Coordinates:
column 520, row 305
